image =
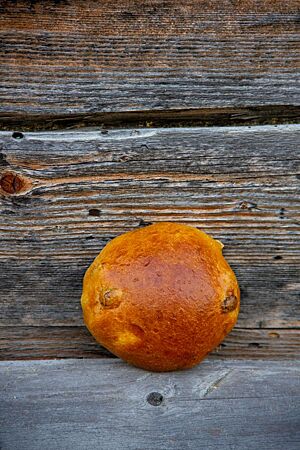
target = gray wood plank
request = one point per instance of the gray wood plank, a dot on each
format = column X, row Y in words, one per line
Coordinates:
column 106, row 404
column 65, row 194
column 86, row 57
column 24, row 343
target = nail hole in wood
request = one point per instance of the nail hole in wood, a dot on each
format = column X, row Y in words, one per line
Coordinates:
column 277, row 257
column 155, row 398
column 94, row 212
column 17, row 135
column 282, row 213
column 254, row 344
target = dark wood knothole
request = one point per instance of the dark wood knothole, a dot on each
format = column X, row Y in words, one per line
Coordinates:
column 155, row 398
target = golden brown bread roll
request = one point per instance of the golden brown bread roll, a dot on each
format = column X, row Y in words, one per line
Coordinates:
column 161, row 297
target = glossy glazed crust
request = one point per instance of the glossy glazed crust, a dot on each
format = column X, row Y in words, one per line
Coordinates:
column 161, row 297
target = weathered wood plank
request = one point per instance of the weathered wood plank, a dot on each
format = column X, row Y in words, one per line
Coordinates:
column 109, row 405
column 74, row 191
column 46, row 290
column 24, row 343
column 86, row 57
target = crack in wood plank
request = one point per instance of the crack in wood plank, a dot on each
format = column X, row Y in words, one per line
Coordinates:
column 216, row 383
column 206, row 117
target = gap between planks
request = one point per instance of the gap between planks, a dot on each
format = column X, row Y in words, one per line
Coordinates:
column 208, row 117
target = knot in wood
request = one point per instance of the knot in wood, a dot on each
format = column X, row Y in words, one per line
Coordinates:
column 11, row 183
column 155, row 398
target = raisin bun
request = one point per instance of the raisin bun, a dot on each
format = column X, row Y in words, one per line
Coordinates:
column 161, row 297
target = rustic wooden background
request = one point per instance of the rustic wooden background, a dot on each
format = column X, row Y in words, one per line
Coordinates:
column 116, row 114
column 65, row 194
column 148, row 79
column 66, row 62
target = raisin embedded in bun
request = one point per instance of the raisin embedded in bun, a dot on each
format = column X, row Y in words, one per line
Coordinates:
column 161, row 297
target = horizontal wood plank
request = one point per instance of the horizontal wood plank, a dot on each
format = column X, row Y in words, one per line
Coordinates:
column 64, row 195
column 87, row 57
column 46, row 290
column 25, row 343
column 106, row 404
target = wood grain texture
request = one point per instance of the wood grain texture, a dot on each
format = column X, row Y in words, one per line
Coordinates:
column 86, row 57
column 25, row 343
column 74, row 191
column 109, row 405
